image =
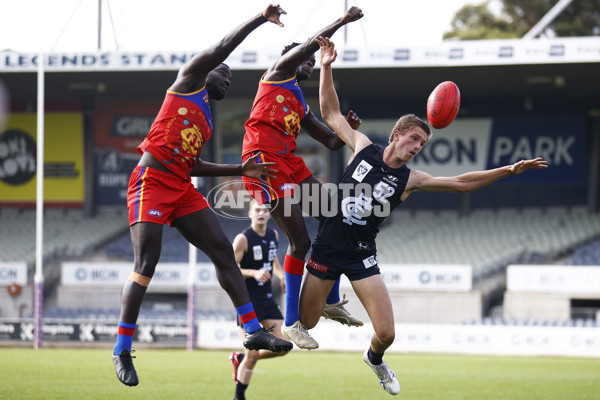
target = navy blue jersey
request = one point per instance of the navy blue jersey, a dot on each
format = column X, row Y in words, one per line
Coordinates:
column 368, row 192
column 261, row 252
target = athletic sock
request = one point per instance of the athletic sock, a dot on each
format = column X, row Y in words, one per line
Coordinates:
column 248, row 318
column 240, row 391
column 334, row 294
column 294, row 268
column 375, row 358
column 124, row 337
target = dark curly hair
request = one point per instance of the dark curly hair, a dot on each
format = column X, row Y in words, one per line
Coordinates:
column 289, row 47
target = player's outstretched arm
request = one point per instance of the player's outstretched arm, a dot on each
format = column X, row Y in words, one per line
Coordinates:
column 321, row 132
column 286, row 66
column 249, row 169
column 195, row 70
column 471, row 180
column 330, row 105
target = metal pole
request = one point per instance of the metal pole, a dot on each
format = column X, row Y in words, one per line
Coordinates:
column 99, row 24
column 191, row 296
column 39, row 219
column 547, row 19
column 345, row 26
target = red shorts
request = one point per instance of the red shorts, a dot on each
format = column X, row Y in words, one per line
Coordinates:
column 157, row 196
column 291, row 171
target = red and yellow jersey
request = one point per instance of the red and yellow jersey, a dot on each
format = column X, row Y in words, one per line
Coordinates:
column 274, row 121
column 181, row 127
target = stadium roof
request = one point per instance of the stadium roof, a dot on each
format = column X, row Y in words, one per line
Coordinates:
column 561, row 67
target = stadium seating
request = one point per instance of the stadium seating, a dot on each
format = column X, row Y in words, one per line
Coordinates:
column 486, row 239
column 587, row 254
column 175, row 247
column 67, row 233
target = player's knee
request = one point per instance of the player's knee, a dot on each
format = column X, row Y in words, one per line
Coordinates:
column 300, row 246
column 145, row 268
column 251, row 358
column 222, row 256
column 386, row 336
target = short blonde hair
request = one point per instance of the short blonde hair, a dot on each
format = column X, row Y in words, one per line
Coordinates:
column 409, row 121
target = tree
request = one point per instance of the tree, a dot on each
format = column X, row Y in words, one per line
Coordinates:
column 501, row 19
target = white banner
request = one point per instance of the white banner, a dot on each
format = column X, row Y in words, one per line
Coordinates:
column 554, row 279
column 434, row 339
column 425, row 277
column 450, row 53
column 166, row 275
column 13, row 272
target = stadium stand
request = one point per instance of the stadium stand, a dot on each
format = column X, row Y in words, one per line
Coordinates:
column 587, row 254
column 68, row 233
column 488, row 240
column 175, row 247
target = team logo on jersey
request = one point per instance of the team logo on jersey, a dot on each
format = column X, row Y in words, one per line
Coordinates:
column 191, row 140
column 363, row 246
column 257, row 250
column 391, row 179
column 356, row 208
column 292, row 124
column 361, row 171
column 370, row 262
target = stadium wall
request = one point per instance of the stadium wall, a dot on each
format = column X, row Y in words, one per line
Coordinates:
column 331, row 336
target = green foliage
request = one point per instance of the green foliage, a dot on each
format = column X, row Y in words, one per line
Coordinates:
column 517, row 17
column 177, row 374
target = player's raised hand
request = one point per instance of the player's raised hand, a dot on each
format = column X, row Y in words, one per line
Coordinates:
column 353, row 14
column 328, row 53
column 252, row 169
column 273, row 12
column 523, row 165
column 353, row 120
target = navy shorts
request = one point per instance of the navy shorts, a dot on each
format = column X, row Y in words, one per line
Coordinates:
column 329, row 267
column 265, row 308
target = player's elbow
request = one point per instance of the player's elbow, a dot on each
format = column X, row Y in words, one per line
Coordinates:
column 327, row 115
column 466, row 187
column 460, row 186
column 335, row 143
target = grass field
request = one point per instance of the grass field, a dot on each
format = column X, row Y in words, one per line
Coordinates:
column 177, row 374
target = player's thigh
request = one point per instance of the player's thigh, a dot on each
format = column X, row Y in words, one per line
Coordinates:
column 289, row 219
column 313, row 196
column 146, row 241
column 203, row 230
column 312, row 299
column 374, row 296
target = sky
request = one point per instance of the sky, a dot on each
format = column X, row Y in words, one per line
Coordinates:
column 187, row 25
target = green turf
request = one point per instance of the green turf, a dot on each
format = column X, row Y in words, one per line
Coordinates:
column 177, row 374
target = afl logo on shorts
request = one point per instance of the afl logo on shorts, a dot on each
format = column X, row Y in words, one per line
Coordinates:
column 154, row 213
column 286, row 186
